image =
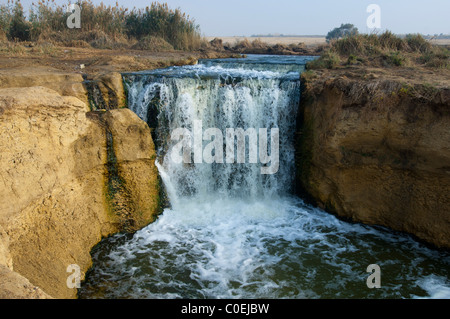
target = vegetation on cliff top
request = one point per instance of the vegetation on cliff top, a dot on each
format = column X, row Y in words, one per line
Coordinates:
column 383, row 50
column 156, row 28
column 101, row 27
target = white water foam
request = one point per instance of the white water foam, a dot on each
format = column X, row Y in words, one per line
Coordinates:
column 273, row 248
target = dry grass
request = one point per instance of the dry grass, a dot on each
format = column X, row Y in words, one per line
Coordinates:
column 260, row 46
column 108, row 27
column 308, row 41
column 153, row 44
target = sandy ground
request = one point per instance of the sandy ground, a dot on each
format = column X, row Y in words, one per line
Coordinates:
column 309, row 41
column 441, row 41
column 90, row 60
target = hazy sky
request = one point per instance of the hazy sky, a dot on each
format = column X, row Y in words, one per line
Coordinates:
column 247, row 17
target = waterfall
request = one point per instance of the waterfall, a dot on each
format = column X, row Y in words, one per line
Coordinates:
column 222, row 95
column 233, row 230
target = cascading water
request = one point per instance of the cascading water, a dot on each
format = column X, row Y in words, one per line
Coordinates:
column 231, row 231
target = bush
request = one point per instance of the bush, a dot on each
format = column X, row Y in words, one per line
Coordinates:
column 153, row 44
column 171, row 25
column 242, row 45
column 396, row 58
column 77, row 44
column 258, row 44
column 328, row 60
column 101, row 26
column 385, row 49
column 3, row 37
column 353, row 59
column 5, row 18
column 417, row 43
column 350, row 45
column 19, row 28
column 102, row 40
column 437, row 57
column 389, row 41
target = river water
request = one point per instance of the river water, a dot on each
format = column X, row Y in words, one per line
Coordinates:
column 231, row 230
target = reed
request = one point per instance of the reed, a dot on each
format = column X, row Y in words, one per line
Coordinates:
column 385, row 49
column 102, row 26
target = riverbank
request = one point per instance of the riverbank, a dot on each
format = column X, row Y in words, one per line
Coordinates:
column 374, row 147
column 374, row 144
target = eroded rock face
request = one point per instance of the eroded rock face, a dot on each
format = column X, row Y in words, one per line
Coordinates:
column 53, row 179
column 378, row 152
column 135, row 152
column 111, row 87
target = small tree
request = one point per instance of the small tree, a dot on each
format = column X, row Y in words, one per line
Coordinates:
column 19, row 28
column 343, row 31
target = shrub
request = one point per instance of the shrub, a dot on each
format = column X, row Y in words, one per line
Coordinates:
column 258, row 44
column 101, row 26
column 153, row 44
column 242, row 45
column 19, row 28
column 353, row 59
column 102, row 40
column 328, row 60
column 171, row 25
column 389, row 41
column 385, row 49
column 350, row 45
column 438, row 57
column 77, row 44
column 3, row 37
column 417, row 43
column 5, row 17
column 396, row 58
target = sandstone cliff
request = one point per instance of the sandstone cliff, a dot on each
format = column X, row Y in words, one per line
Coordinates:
column 378, row 152
column 55, row 176
column 65, row 83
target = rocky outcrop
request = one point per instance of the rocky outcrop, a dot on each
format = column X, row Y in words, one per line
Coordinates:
column 55, row 168
column 65, row 83
column 111, row 86
column 378, row 152
column 15, row 286
column 106, row 91
column 133, row 186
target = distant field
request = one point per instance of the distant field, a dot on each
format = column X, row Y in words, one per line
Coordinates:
column 310, row 41
column 441, row 41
